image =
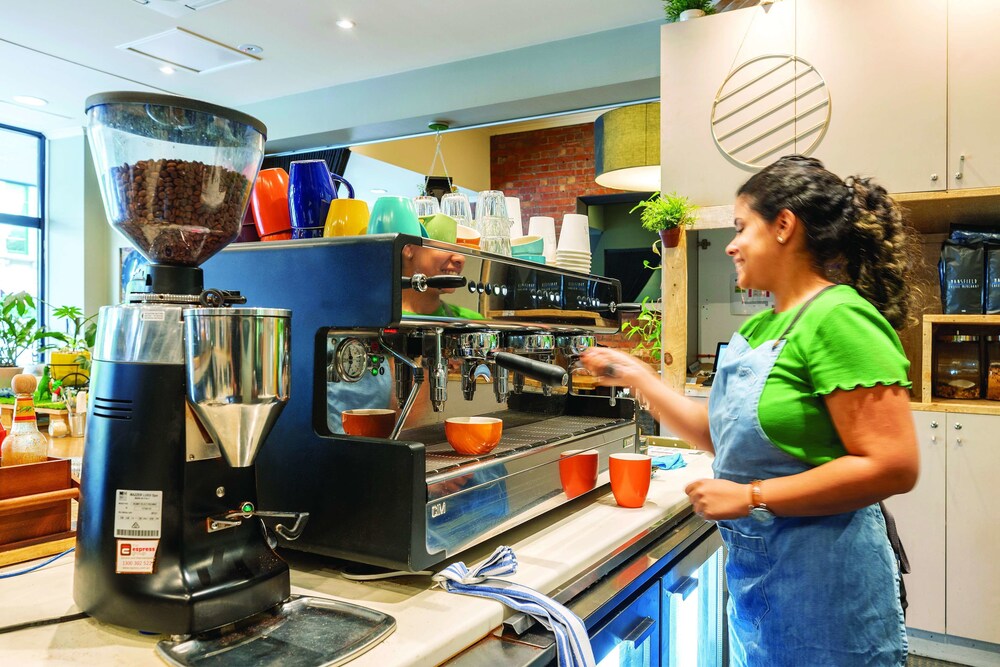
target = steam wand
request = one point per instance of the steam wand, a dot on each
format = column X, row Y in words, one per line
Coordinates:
column 418, row 378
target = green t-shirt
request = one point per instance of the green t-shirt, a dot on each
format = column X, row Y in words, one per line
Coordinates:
column 449, row 310
column 840, row 342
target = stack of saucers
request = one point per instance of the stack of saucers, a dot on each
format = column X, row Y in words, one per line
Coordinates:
column 573, row 250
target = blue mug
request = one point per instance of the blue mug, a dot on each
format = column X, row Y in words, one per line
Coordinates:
column 310, row 191
column 394, row 215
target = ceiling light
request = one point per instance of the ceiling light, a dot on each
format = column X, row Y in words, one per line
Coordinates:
column 30, row 101
column 346, row 24
column 167, row 69
column 252, row 49
column 379, row 191
column 627, row 148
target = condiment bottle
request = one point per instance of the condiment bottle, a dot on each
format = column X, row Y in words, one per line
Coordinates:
column 25, row 443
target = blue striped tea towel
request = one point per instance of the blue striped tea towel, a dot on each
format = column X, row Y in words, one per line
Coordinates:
column 572, row 643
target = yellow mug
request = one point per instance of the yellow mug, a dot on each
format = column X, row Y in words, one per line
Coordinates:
column 347, row 217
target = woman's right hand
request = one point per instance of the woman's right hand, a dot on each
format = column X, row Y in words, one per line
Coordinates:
column 613, row 367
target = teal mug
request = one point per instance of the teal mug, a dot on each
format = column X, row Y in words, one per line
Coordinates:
column 394, row 215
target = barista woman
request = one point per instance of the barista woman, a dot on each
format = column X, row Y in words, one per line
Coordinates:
column 433, row 262
column 808, row 419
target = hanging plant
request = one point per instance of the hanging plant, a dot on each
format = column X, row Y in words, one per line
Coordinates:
column 673, row 8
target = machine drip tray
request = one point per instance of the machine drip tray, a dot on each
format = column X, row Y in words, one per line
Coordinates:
column 301, row 632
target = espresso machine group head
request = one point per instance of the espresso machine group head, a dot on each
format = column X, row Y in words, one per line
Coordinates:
column 182, row 394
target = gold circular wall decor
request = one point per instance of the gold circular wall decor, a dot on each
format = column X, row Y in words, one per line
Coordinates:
column 768, row 107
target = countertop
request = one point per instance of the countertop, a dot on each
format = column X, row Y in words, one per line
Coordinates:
column 432, row 625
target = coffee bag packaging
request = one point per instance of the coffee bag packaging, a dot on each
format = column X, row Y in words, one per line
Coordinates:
column 961, row 271
column 992, row 278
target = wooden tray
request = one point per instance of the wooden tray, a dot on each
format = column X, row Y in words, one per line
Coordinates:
column 36, row 510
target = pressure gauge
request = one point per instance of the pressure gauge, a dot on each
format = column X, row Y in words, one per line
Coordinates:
column 352, row 360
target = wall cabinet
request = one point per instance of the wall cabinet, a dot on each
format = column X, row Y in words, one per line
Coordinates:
column 973, row 94
column 948, row 527
column 911, row 95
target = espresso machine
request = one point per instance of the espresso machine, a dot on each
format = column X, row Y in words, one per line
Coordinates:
column 186, row 389
column 509, row 349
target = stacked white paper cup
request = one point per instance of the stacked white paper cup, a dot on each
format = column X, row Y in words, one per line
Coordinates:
column 514, row 213
column 573, row 250
column 544, row 226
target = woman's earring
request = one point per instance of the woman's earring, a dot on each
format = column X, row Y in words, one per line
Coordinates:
column 781, row 239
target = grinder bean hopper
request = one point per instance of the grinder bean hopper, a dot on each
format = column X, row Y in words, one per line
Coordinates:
column 185, row 390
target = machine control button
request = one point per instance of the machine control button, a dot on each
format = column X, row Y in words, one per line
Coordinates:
column 496, row 290
column 473, row 286
column 503, row 290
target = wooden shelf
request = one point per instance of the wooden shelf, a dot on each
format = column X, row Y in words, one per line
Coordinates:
column 974, row 324
column 979, row 407
column 963, row 319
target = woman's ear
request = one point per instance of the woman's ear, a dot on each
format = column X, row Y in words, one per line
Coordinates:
column 785, row 225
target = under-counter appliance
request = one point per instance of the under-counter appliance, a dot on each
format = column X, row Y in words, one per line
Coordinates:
column 505, row 344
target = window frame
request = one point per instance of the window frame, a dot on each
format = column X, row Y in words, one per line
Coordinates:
column 31, row 222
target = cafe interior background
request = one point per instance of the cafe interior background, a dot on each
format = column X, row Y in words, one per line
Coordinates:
column 510, row 81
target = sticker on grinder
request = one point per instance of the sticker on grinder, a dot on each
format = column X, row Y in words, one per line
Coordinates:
column 136, row 556
column 138, row 513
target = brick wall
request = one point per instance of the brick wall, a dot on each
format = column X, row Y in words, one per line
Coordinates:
column 547, row 169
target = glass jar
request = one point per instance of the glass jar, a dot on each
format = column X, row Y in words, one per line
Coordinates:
column 993, row 368
column 957, row 374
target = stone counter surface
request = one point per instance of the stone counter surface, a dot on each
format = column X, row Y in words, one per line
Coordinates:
column 432, row 625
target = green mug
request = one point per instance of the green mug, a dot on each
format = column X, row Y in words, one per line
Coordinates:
column 441, row 227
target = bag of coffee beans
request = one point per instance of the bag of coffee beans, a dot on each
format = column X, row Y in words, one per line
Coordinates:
column 992, row 278
column 973, row 233
column 961, row 273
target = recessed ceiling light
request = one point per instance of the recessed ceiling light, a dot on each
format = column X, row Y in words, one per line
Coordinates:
column 346, row 24
column 252, row 49
column 167, row 69
column 30, row 101
column 379, row 191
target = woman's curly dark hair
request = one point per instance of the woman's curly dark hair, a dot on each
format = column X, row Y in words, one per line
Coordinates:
column 854, row 230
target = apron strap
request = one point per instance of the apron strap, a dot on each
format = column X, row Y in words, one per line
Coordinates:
column 799, row 314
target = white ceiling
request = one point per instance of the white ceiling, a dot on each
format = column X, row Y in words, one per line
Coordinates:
column 64, row 50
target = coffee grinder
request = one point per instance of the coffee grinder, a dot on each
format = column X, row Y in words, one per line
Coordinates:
column 185, row 388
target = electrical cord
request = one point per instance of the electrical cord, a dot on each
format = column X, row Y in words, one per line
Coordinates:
column 8, row 575
column 46, row 621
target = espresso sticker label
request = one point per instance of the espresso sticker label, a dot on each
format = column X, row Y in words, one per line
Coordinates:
column 153, row 315
column 138, row 513
column 136, row 556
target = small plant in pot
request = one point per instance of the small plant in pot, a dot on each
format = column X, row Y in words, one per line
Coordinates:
column 648, row 329
column 19, row 332
column 681, row 10
column 667, row 215
column 70, row 362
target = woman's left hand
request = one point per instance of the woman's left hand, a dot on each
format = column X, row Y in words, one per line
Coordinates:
column 716, row 499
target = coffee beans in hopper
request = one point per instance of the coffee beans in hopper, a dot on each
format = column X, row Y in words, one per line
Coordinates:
column 177, row 211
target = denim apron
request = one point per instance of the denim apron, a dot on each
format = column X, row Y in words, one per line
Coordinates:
column 804, row 591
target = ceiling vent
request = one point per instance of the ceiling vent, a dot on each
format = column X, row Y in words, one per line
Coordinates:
column 188, row 50
column 178, row 8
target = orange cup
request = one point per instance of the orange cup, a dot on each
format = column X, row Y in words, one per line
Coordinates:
column 269, row 202
column 578, row 471
column 630, row 474
column 473, row 436
column 369, row 422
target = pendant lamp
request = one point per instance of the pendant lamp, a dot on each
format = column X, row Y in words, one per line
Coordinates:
column 627, row 148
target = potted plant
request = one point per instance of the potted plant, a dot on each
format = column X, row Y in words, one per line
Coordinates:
column 667, row 215
column 682, row 10
column 70, row 363
column 648, row 329
column 19, row 332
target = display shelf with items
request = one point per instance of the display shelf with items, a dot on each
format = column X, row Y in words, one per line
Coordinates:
column 955, row 368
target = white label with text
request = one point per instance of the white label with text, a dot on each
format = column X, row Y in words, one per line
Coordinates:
column 138, row 513
column 136, row 556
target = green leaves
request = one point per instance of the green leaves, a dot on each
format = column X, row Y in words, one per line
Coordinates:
column 661, row 212
column 673, row 8
column 648, row 328
column 84, row 329
column 19, row 330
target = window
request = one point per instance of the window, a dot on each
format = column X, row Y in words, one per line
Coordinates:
column 21, row 197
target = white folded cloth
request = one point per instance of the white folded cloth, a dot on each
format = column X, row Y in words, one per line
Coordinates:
column 572, row 642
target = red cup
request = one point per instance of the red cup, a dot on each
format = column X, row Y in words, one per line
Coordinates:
column 630, row 474
column 578, row 471
column 269, row 202
column 369, row 422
